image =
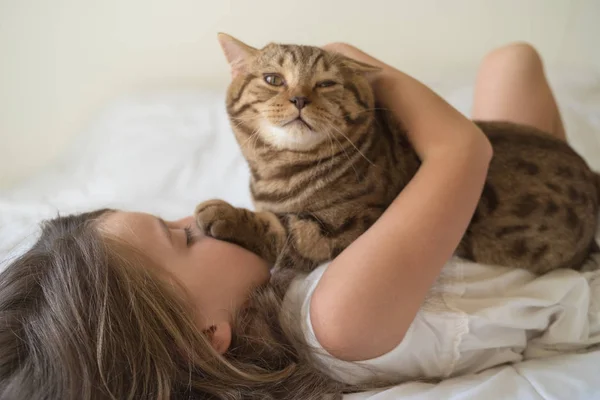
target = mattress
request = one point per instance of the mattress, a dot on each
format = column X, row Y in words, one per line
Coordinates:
column 163, row 152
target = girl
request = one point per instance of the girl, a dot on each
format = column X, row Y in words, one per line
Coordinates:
column 121, row 305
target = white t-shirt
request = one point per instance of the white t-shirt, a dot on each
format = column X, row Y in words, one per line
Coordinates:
column 474, row 317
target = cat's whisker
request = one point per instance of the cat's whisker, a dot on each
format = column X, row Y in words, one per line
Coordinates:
column 256, row 115
column 332, row 147
column 249, row 137
column 252, row 135
column 256, row 135
column 353, row 145
column 332, row 161
column 242, row 122
column 237, row 125
column 366, row 110
column 253, row 118
column 346, row 153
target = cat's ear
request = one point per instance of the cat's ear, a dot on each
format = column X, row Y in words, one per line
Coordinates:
column 237, row 53
column 358, row 66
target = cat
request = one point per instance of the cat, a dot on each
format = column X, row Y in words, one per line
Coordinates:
column 319, row 181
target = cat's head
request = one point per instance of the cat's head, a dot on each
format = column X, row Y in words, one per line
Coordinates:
column 297, row 98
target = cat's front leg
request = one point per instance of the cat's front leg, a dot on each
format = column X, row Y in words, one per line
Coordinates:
column 260, row 232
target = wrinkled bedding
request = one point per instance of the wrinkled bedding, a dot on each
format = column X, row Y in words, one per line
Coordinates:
column 163, row 152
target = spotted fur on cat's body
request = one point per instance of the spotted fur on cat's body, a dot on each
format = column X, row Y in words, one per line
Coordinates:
column 538, row 207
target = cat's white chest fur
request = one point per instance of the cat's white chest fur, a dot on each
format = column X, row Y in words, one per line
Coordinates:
column 292, row 137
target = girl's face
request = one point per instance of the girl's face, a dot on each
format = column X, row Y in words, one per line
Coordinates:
column 217, row 276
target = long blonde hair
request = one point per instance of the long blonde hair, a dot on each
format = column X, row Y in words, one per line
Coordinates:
column 80, row 320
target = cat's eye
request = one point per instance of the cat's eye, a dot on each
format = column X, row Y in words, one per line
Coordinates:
column 274, row 79
column 324, row 84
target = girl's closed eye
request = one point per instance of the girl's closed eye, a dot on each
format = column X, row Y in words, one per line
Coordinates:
column 190, row 235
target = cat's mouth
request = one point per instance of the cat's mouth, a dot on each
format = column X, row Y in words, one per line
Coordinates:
column 298, row 120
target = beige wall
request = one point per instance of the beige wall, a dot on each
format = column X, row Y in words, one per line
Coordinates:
column 61, row 60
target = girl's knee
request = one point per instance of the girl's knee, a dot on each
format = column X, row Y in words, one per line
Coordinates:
column 519, row 56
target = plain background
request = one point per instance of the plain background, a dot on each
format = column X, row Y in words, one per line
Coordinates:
column 61, row 61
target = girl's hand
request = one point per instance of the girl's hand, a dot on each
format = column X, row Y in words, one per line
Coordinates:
column 356, row 54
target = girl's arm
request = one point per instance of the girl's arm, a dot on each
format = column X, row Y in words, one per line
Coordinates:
column 370, row 294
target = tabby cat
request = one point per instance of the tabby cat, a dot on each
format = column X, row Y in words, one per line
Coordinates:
column 325, row 164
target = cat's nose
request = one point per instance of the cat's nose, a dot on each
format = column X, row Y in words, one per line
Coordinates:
column 300, row 102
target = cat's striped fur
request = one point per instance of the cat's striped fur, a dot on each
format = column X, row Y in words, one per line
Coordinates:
column 319, row 182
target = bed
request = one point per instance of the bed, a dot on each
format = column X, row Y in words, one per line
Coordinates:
column 163, row 152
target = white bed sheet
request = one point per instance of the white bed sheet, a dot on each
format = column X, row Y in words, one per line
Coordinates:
column 163, row 152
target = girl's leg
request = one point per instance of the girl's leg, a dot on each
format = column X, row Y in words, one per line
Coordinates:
column 511, row 86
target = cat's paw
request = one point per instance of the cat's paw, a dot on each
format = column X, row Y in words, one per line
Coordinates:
column 217, row 218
